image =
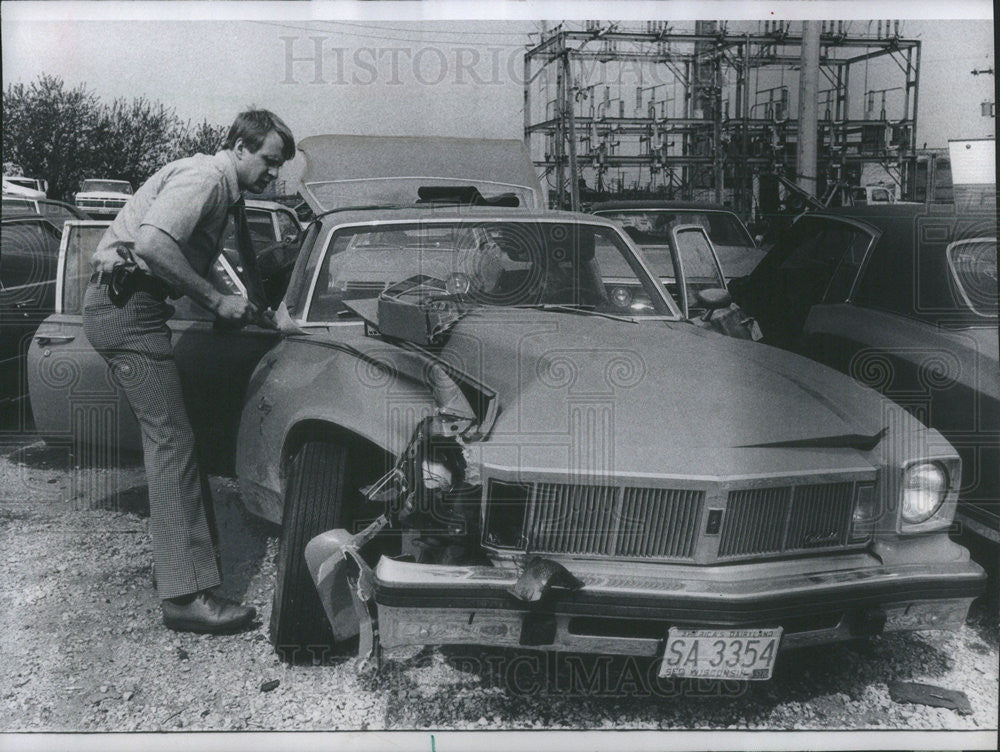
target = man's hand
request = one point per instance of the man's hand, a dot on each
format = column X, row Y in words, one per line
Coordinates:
column 234, row 310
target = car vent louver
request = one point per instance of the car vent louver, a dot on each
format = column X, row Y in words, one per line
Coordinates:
column 775, row 520
column 661, row 524
column 610, row 521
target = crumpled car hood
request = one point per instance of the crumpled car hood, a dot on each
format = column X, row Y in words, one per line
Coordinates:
column 590, row 394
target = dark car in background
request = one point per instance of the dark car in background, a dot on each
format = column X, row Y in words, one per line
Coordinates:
column 648, row 223
column 905, row 301
column 57, row 211
column 29, row 251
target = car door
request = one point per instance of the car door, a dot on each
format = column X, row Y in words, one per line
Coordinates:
column 817, row 252
column 28, row 253
column 73, row 398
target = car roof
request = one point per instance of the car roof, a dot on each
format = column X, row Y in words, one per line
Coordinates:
column 25, row 217
column 446, row 212
column 653, row 204
column 257, row 203
column 896, row 221
column 334, row 158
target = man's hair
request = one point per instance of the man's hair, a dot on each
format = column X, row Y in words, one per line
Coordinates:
column 254, row 125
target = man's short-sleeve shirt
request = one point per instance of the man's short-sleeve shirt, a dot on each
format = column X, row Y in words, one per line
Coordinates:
column 189, row 200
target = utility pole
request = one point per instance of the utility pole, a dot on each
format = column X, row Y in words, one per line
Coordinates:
column 808, row 107
column 570, row 105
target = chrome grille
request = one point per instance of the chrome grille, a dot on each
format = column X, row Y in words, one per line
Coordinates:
column 821, row 516
column 774, row 520
column 754, row 521
column 644, row 523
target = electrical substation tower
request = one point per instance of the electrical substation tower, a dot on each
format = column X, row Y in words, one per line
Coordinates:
column 709, row 112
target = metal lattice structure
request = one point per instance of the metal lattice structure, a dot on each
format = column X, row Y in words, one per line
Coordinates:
column 705, row 113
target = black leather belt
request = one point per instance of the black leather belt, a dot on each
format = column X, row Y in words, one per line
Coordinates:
column 137, row 280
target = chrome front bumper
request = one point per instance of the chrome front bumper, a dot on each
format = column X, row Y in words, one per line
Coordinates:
column 629, row 614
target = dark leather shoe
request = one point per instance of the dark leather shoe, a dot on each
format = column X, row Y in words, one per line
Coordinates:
column 206, row 612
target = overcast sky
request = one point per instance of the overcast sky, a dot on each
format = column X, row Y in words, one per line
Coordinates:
column 395, row 77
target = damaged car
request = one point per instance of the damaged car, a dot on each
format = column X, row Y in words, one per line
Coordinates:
column 469, row 437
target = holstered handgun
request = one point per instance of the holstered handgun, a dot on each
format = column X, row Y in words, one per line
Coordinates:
column 121, row 286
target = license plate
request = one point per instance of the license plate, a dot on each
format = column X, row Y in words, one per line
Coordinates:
column 720, row 653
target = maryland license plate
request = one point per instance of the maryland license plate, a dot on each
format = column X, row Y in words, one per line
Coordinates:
column 720, row 653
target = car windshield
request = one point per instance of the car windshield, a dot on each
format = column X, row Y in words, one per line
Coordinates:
column 106, row 186
column 501, row 263
column 18, row 206
column 25, row 183
column 652, row 226
column 405, row 191
column 973, row 266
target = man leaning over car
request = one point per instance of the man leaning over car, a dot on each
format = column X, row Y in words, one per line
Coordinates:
column 163, row 244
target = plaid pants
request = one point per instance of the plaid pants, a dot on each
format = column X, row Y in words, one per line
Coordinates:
column 135, row 342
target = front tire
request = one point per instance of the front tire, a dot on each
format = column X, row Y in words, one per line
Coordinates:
column 319, row 497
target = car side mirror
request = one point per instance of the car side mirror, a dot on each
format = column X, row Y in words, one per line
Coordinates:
column 712, row 299
column 758, row 239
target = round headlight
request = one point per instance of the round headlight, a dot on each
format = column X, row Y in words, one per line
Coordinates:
column 925, row 486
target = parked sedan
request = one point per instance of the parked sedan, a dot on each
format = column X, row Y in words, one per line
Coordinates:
column 29, row 246
column 905, row 302
column 648, row 223
column 466, row 440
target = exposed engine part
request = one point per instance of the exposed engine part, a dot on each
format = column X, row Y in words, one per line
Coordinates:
column 428, row 492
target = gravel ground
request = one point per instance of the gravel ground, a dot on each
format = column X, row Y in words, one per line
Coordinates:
column 82, row 647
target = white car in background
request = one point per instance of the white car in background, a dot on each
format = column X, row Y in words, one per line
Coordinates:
column 103, row 198
column 18, row 185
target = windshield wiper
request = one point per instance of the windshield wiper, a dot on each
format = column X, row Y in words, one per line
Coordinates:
column 581, row 308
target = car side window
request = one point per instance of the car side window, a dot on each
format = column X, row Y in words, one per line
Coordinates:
column 29, row 256
column 81, row 243
column 18, row 206
column 287, row 226
column 854, row 242
column 809, row 250
column 886, row 282
column 261, row 227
